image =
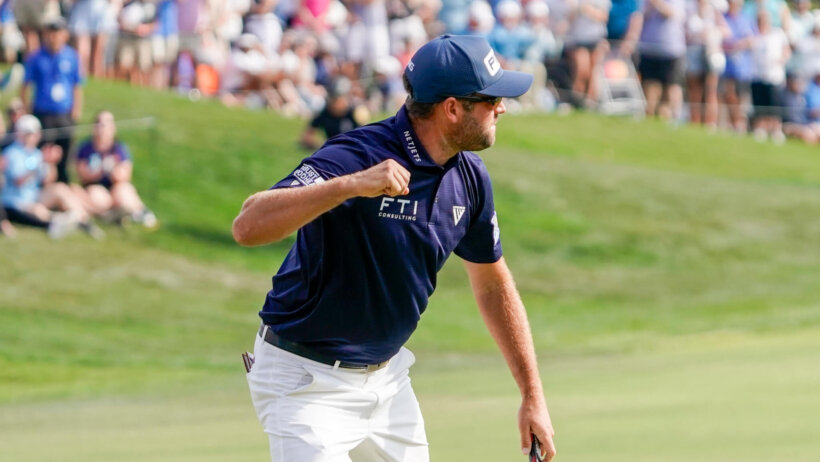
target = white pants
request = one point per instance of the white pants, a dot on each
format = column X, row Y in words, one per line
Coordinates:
column 313, row 412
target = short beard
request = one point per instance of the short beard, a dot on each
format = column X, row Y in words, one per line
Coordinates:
column 470, row 135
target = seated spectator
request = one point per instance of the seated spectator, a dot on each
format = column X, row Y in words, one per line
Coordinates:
column 31, row 196
column 6, row 228
column 812, row 95
column 338, row 116
column 104, row 167
column 14, row 111
column 796, row 122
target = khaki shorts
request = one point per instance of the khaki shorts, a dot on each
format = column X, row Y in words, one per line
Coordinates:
column 134, row 52
column 165, row 49
column 35, row 13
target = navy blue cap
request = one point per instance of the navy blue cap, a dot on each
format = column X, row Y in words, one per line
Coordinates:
column 460, row 65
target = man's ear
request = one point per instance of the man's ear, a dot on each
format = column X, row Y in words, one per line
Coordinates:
column 452, row 109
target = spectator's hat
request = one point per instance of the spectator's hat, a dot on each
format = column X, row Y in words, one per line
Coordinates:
column 537, row 9
column 461, row 65
column 57, row 23
column 508, row 9
column 27, row 124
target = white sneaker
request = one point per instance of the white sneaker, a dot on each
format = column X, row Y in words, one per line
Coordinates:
column 61, row 225
column 146, row 218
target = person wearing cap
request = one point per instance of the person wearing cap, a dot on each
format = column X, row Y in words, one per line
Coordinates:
column 338, row 115
column 54, row 74
column 377, row 211
column 30, row 195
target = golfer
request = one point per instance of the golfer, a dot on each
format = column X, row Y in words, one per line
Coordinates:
column 378, row 210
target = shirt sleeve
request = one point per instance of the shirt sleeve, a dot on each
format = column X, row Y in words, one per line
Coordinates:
column 482, row 243
column 123, row 153
column 30, row 70
column 16, row 165
column 336, row 158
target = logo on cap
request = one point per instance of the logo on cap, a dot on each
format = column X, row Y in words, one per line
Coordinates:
column 491, row 63
column 410, row 66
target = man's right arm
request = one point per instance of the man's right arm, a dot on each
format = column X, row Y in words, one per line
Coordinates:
column 270, row 216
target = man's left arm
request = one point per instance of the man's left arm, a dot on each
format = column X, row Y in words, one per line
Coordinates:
column 505, row 317
column 77, row 108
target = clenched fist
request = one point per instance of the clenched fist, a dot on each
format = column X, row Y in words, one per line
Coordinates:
column 387, row 177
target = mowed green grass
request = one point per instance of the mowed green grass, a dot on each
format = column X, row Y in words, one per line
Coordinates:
column 669, row 276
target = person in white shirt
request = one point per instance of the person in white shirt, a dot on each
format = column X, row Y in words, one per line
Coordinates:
column 771, row 52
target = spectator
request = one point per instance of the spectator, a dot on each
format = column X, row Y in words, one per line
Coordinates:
column 338, row 116
column 30, row 195
column 739, row 64
column 137, row 21
column 6, row 228
column 662, row 53
column 14, row 111
column 778, row 11
column 771, row 51
column 249, row 75
column 455, row 14
column 796, row 122
column 623, row 28
column 87, row 24
column 104, row 167
column 480, row 19
column 54, row 72
column 262, row 23
column 11, row 39
column 510, row 38
column 807, row 51
column 165, row 43
column 705, row 61
column 586, row 45
column 31, row 16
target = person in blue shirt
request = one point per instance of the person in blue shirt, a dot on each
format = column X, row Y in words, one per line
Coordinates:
column 377, row 211
column 54, row 73
column 30, row 195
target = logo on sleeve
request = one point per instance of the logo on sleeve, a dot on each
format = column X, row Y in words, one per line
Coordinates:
column 491, row 63
column 496, row 230
column 458, row 212
column 307, row 175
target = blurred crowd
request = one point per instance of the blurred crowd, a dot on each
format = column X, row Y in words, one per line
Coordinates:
column 746, row 65
column 751, row 66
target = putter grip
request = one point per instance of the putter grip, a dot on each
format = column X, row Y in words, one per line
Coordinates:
column 535, row 450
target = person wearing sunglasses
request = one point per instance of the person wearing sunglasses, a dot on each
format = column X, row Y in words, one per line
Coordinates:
column 377, row 210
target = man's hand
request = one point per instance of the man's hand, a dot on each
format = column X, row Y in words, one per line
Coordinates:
column 534, row 419
column 387, row 177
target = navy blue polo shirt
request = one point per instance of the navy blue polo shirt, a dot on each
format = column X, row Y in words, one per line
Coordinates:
column 54, row 76
column 356, row 281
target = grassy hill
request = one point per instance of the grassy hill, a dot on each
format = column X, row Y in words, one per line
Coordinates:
column 668, row 274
